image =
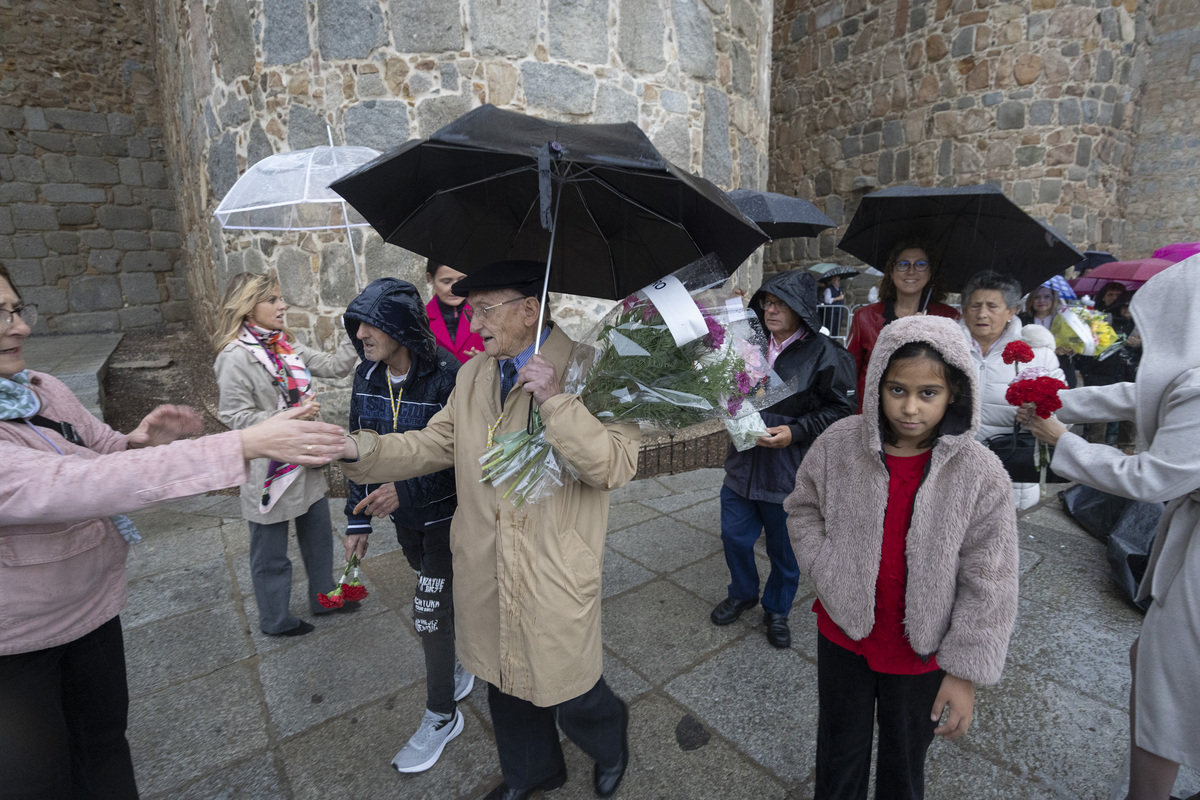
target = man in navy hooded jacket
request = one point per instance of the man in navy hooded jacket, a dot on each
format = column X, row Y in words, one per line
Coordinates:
column 404, row 379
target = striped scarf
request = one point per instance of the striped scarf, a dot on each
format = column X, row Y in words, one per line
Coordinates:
column 294, row 381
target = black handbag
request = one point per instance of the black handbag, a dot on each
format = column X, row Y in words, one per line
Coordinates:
column 1016, row 450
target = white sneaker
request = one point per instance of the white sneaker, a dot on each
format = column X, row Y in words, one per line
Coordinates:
column 464, row 682
column 426, row 745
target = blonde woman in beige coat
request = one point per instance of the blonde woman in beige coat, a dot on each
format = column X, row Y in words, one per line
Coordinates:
column 262, row 370
column 1164, row 401
column 906, row 525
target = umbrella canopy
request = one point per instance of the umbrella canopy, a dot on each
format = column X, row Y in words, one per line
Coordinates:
column 781, row 216
column 289, row 191
column 1177, row 252
column 495, row 185
column 1131, row 273
column 1059, row 284
column 967, row 228
column 826, row 270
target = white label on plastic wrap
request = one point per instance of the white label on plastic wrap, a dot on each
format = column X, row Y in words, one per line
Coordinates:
column 735, row 309
column 678, row 310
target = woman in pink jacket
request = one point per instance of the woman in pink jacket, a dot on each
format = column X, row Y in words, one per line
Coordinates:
column 63, row 694
column 449, row 314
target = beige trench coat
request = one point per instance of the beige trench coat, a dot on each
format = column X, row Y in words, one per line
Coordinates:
column 249, row 396
column 526, row 580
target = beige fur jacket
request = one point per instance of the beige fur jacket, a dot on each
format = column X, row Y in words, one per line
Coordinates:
column 961, row 550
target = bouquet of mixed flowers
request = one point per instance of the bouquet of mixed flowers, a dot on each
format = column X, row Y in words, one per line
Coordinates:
column 674, row 354
column 1082, row 328
column 1033, row 385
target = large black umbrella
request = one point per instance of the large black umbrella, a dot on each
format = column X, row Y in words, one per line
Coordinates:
column 781, row 216
column 967, row 228
column 497, row 184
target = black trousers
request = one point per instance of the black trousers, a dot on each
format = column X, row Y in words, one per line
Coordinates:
column 63, row 714
column 428, row 552
column 527, row 740
column 851, row 695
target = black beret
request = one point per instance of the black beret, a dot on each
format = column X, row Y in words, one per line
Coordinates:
column 525, row 277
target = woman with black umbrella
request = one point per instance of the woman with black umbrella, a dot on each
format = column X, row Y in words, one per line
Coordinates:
column 908, row 287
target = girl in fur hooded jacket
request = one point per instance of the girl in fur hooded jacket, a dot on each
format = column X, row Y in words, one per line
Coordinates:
column 906, row 525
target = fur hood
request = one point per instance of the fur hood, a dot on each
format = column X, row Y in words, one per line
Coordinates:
column 944, row 335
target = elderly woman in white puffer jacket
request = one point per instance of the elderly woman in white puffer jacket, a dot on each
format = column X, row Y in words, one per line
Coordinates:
column 991, row 302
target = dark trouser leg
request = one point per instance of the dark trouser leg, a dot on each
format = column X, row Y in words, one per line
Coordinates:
column 271, row 574
column 845, row 721
column 593, row 722
column 314, row 535
column 433, row 616
column 63, row 715
column 740, row 527
column 780, row 590
column 905, row 732
column 526, row 740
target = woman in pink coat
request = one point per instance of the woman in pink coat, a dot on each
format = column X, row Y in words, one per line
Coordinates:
column 449, row 314
column 64, row 700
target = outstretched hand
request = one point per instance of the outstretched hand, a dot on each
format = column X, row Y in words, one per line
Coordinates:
column 1044, row 430
column 164, row 425
column 959, row 695
column 287, row 438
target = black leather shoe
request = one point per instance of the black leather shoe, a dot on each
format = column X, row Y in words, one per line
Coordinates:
column 607, row 779
column 728, row 610
column 778, row 633
column 505, row 792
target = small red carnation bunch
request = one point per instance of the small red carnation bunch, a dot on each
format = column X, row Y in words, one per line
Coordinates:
column 1017, row 351
column 350, row 587
column 1039, row 389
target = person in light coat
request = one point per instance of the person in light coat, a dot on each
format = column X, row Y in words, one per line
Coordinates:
column 991, row 302
column 1164, row 400
column 527, row 579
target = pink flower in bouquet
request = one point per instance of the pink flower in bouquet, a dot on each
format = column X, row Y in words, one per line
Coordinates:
column 735, row 405
column 744, row 383
column 648, row 312
column 628, row 303
column 716, row 334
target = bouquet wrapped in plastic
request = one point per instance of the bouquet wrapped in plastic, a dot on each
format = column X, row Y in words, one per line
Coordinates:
column 676, row 353
column 1083, row 329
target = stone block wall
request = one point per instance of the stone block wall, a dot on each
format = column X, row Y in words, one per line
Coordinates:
column 88, row 228
column 250, row 78
column 1164, row 187
column 1037, row 96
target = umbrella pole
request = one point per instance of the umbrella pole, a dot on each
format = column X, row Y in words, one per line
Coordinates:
column 537, row 337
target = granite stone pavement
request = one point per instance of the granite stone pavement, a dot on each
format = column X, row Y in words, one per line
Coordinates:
column 220, row 710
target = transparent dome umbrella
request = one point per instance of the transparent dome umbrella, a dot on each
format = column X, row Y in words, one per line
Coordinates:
column 290, row 192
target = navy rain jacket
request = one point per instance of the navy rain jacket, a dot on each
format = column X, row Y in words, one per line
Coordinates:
column 394, row 306
column 824, row 375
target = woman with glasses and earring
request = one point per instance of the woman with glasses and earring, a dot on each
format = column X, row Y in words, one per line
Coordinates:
column 908, row 287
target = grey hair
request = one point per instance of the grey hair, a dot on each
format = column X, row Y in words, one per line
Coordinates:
column 991, row 281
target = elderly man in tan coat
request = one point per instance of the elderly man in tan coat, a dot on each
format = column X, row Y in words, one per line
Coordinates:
column 527, row 579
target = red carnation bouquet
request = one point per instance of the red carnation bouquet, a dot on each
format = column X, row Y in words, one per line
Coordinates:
column 1033, row 385
column 350, row 588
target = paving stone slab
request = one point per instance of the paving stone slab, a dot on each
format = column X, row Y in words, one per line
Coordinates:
column 696, row 480
column 1050, row 514
column 952, row 774
column 164, row 552
column 1078, row 547
column 1041, row 729
column 761, row 699
column 172, row 650
column 1058, row 583
column 662, row 629
column 638, row 491
column 256, row 778
column 620, row 574
column 662, row 544
column 675, row 502
column 196, row 728
column 324, row 675
column 205, row 504
column 705, row 516
column 318, row 768
column 166, row 520
column 626, row 514
column 168, row 594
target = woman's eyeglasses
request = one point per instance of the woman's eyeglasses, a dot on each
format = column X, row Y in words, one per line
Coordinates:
column 27, row 312
column 482, row 313
column 905, row 266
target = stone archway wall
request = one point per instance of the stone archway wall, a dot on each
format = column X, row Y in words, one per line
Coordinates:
column 248, row 78
column 1037, row 96
column 1164, row 187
